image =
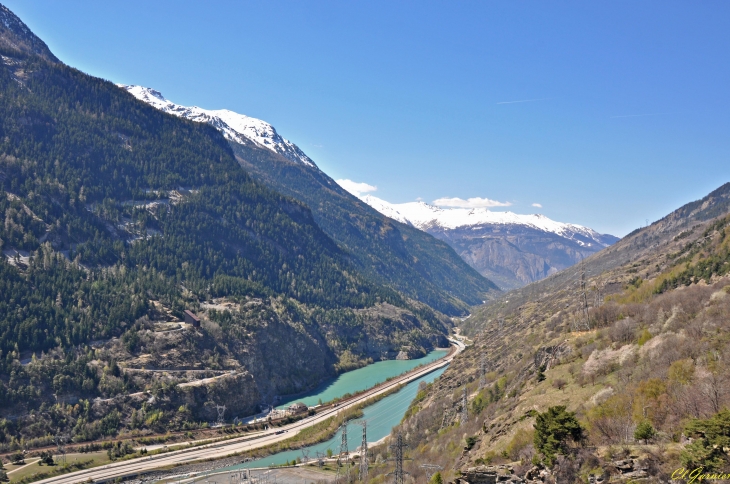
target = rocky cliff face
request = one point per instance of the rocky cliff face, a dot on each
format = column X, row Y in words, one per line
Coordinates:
column 514, row 256
column 246, row 355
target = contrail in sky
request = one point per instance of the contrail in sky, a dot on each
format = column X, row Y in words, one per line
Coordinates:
column 525, row 101
column 637, row 115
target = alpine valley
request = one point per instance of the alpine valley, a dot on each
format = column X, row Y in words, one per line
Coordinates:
column 168, row 273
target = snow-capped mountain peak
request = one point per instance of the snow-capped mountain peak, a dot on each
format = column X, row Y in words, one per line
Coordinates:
column 429, row 217
column 236, row 127
column 510, row 249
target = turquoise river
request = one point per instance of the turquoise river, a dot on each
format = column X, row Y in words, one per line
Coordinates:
column 381, row 416
column 361, row 379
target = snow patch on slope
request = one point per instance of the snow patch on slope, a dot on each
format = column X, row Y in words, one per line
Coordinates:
column 236, row 127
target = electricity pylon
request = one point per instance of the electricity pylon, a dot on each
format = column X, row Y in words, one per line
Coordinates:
column 398, row 474
column 343, row 451
column 363, row 474
column 464, row 408
column 431, row 469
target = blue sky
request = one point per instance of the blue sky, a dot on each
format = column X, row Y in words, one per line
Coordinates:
column 627, row 112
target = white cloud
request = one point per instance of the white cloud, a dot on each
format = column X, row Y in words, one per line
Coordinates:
column 537, row 205
column 356, row 188
column 475, row 202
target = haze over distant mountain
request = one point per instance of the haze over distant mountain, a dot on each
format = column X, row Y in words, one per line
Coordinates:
column 508, row 248
column 394, row 254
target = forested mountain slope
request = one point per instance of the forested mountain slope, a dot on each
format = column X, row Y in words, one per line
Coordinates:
column 633, row 387
column 115, row 218
column 392, row 253
column 408, row 259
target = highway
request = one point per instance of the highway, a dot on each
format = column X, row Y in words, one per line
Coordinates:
column 223, row 449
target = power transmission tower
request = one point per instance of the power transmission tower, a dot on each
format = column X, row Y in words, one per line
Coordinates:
column 464, row 408
column 320, row 458
column 584, row 296
column 398, row 474
column 482, row 373
column 600, row 286
column 443, row 420
column 431, row 469
column 221, row 412
column 305, row 455
column 61, row 444
column 363, row 474
column 343, row 451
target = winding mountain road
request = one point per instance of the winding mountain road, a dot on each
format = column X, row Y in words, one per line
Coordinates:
column 222, row 449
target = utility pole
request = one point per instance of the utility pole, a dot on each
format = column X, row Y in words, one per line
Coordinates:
column 363, row 474
column 431, row 469
column 464, row 408
column 398, row 474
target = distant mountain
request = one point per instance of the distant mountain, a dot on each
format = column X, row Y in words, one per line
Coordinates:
column 394, row 254
column 676, row 233
column 508, row 248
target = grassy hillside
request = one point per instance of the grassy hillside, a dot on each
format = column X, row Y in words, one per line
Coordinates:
column 644, row 372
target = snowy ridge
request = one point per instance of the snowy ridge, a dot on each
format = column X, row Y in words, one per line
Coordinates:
column 428, row 217
column 236, row 127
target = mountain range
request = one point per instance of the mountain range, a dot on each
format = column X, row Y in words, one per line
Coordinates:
column 510, row 249
column 388, row 251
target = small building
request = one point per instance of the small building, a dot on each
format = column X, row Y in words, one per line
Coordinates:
column 298, row 407
column 190, row 318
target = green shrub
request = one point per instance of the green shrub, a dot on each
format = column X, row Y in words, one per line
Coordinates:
column 711, row 436
column 554, row 429
column 644, row 431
